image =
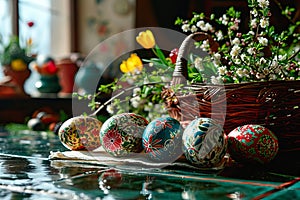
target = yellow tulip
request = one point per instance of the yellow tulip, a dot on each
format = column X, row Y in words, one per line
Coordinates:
column 146, row 39
column 132, row 64
column 29, row 41
column 18, row 65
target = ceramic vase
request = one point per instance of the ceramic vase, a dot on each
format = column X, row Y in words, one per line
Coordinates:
column 48, row 84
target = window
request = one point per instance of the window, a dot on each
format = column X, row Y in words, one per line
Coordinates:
column 5, row 18
column 51, row 32
column 51, row 18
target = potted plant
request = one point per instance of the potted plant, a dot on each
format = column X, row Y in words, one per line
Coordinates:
column 15, row 60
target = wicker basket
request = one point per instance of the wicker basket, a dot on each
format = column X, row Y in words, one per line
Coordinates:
column 273, row 104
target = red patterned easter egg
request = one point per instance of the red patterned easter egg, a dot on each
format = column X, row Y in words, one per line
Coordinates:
column 122, row 134
column 80, row 133
column 252, row 144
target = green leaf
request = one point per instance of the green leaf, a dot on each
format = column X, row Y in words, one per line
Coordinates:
column 160, row 55
column 178, row 21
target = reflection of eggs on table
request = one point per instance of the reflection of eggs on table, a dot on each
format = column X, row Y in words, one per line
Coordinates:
column 121, row 134
column 80, row 133
column 252, row 144
column 162, row 139
column 204, row 142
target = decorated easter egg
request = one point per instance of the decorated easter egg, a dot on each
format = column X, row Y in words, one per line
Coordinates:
column 252, row 144
column 204, row 142
column 80, row 133
column 162, row 139
column 121, row 134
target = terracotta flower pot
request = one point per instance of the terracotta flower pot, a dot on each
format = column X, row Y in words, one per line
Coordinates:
column 18, row 78
column 66, row 73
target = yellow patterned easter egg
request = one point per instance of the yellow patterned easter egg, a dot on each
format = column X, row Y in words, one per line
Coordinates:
column 80, row 133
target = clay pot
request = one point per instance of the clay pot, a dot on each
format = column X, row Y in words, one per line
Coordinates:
column 18, row 78
column 67, row 70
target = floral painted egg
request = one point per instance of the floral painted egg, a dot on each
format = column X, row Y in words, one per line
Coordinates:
column 121, row 134
column 162, row 139
column 252, row 144
column 204, row 142
column 80, row 133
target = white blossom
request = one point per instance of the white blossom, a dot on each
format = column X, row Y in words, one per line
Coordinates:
column 262, row 61
column 235, row 25
column 222, row 70
column 275, row 66
column 204, row 26
column 148, row 107
column 198, row 64
column 136, row 91
column 217, row 58
column 240, row 72
column 254, row 12
column 282, row 57
column 263, row 3
column 219, row 35
column 264, row 22
column 205, row 45
column 272, row 77
column 215, row 80
column 224, row 19
column 263, row 41
column 185, row 27
column 200, row 24
column 251, row 33
column 208, row 27
column 244, row 58
column 236, row 41
column 235, row 51
column 260, row 75
column 251, row 51
column 193, row 29
column 135, row 101
column 110, row 109
column 237, row 61
column 253, row 23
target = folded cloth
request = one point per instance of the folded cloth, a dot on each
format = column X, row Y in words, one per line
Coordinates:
column 139, row 161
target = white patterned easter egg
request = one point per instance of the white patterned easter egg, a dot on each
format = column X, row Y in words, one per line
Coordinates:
column 121, row 134
column 204, row 142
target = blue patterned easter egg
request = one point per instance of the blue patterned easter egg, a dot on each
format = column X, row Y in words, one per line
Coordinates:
column 252, row 144
column 122, row 134
column 162, row 139
column 204, row 142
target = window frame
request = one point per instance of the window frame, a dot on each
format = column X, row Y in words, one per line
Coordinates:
column 71, row 26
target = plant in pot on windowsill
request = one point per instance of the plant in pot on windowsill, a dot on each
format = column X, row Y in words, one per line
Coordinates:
column 14, row 60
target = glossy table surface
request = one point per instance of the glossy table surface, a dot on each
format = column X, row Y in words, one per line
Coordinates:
column 27, row 173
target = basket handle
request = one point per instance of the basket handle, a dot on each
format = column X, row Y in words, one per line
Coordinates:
column 180, row 74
